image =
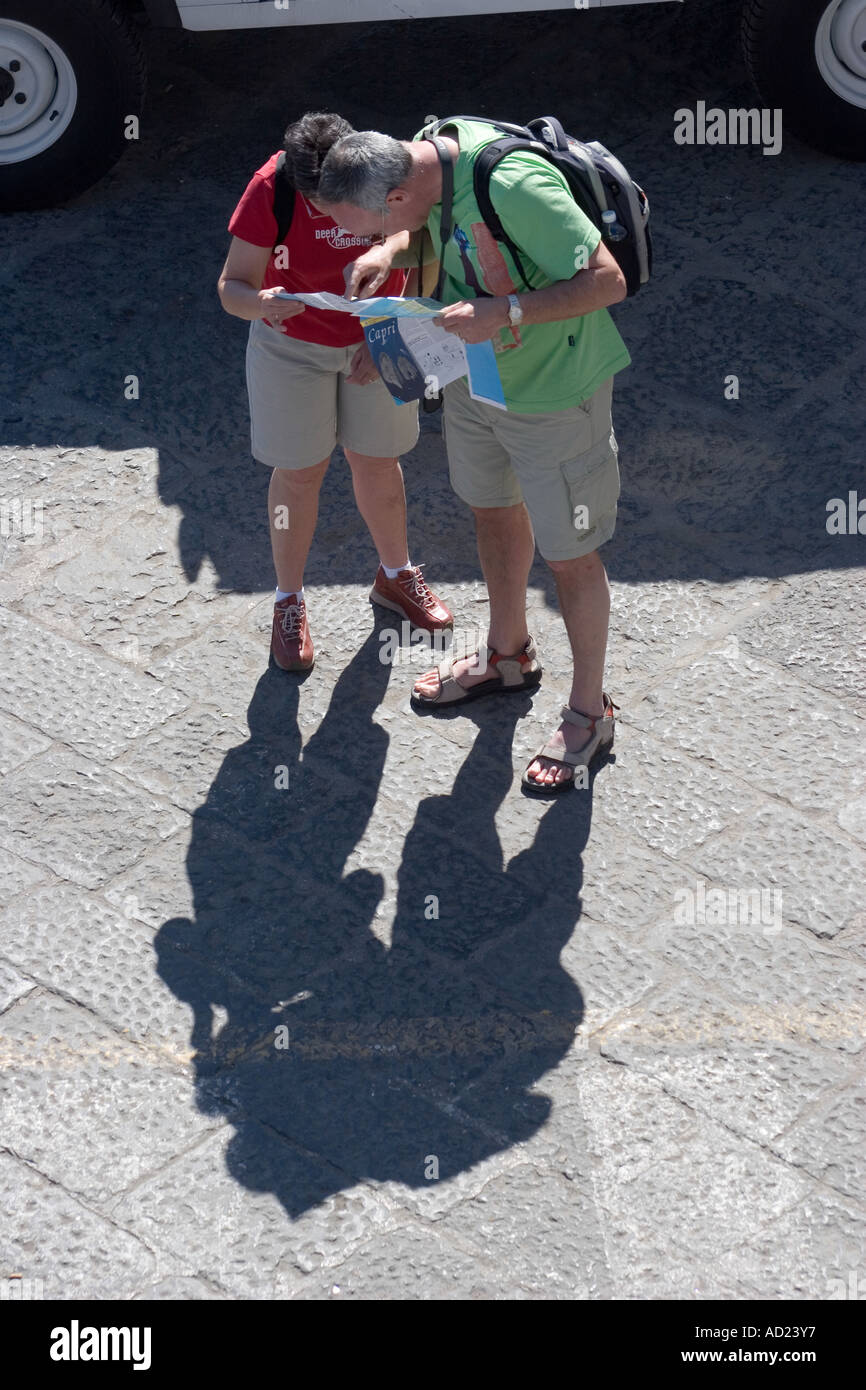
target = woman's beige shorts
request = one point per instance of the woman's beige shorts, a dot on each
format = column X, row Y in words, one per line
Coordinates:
column 301, row 405
column 562, row 464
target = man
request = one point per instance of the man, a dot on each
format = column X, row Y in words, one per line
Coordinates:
column 544, row 470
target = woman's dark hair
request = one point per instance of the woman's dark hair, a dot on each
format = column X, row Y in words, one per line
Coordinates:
column 306, row 143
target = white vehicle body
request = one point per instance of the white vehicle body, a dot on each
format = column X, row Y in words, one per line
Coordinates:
column 252, row 14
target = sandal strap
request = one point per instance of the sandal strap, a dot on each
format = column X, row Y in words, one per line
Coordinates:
column 574, row 716
column 581, row 758
column 554, row 754
column 446, row 667
column 508, row 670
column 586, row 721
column 512, row 668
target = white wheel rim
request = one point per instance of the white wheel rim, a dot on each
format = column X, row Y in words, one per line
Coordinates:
column 39, row 92
column 840, row 49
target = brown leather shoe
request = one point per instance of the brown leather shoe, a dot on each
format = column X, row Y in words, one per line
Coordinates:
column 409, row 595
column 291, row 644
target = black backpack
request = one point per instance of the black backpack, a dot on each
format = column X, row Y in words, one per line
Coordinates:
column 599, row 184
column 284, row 200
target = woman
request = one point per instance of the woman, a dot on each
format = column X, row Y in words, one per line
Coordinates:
column 312, row 385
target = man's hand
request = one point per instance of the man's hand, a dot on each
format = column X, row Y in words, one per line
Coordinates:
column 362, row 370
column 364, row 276
column 275, row 309
column 474, row 320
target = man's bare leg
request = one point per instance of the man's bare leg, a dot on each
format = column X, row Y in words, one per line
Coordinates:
column 505, row 548
column 584, row 600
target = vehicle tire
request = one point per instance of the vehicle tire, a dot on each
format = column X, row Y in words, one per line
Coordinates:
column 809, row 58
column 70, row 74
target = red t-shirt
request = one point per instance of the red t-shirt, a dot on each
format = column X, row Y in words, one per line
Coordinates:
column 318, row 250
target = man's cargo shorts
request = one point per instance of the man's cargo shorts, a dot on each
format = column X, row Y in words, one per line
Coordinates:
column 562, row 464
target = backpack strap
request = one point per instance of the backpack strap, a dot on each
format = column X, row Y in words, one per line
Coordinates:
column 550, row 130
column 520, row 138
column 435, row 127
column 485, row 163
column 447, row 203
column 284, row 200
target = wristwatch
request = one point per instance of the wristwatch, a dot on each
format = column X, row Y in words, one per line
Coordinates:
column 515, row 313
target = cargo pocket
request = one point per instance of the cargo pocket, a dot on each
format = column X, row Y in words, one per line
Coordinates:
column 594, row 485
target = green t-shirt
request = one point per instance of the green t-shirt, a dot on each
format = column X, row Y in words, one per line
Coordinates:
column 544, row 366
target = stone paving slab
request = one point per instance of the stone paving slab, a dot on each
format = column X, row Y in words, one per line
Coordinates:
column 364, row 1089
column 12, row 985
column 813, row 1252
column 758, row 1085
column 80, row 818
column 653, row 1155
column 790, row 985
column 817, row 871
column 77, row 945
column 817, row 631
column 179, row 1288
column 18, row 743
column 629, row 1144
column 125, row 1110
column 125, row 594
column 220, row 667
column 413, row 1263
column 736, row 330
column 238, row 1235
column 180, row 759
column 675, row 804
column 766, row 740
column 84, row 492
column 852, row 817
column 748, row 477
column 19, row 874
column 556, row 1247
column 48, row 1234
column 614, row 973
column 625, row 885
column 829, row 1142
column 156, row 889
column 134, row 625
column 91, row 702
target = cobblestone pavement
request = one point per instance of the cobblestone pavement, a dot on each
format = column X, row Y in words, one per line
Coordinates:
column 602, row 1070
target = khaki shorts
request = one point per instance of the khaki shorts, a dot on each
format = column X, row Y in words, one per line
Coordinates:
column 301, row 405
column 562, row 464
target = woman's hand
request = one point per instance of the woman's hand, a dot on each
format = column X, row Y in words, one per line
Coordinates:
column 363, row 370
column 369, row 272
column 274, row 309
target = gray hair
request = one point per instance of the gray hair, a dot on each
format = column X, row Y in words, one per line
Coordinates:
column 362, row 169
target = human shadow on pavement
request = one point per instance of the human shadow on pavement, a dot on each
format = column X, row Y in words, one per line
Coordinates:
column 342, row 1056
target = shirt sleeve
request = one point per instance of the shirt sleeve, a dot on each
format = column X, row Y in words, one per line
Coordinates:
column 537, row 210
column 253, row 219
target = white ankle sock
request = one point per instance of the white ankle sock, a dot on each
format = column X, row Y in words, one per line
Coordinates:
column 392, row 574
column 284, row 593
